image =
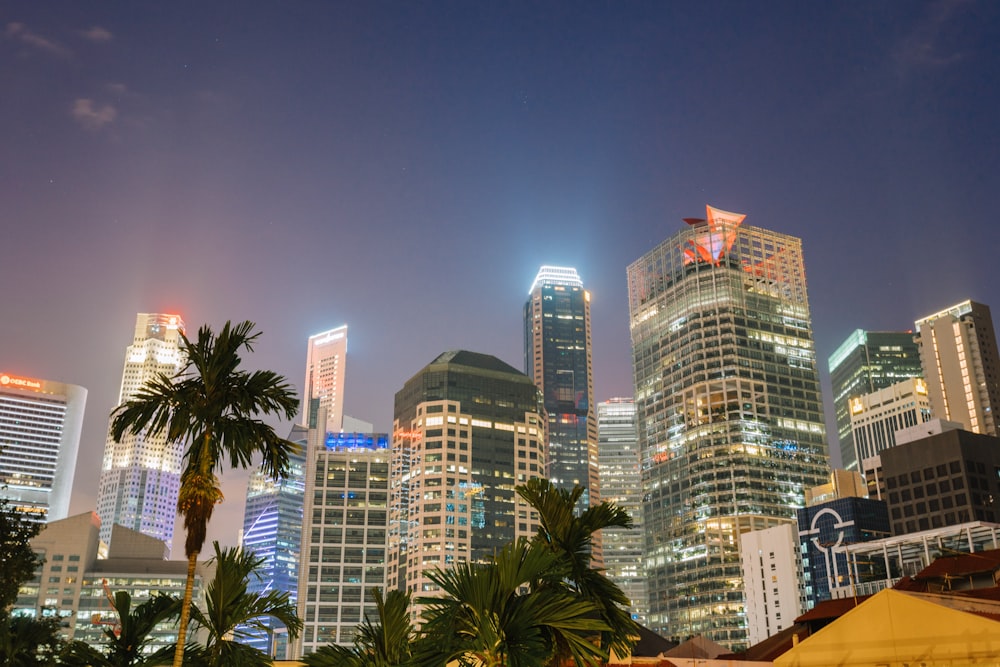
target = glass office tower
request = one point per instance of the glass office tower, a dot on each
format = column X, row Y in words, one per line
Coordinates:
column 557, row 357
column 730, row 415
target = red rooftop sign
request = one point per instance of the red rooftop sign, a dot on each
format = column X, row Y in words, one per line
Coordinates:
column 14, row 381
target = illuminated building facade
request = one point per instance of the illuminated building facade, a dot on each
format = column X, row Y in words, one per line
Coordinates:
column 140, row 476
column 621, row 484
column 76, row 577
column 326, row 359
column 40, row 424
column 876, row 417
column 729, row 410
column 557, row 357
column 272, row 530
column 467, row 429
column 866, row 362
column 343, row 535
column 958, row 351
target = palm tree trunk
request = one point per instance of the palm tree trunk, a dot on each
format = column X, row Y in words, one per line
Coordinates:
column 185, row 610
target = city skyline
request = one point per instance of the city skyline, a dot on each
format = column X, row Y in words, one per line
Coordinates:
column 406, row 170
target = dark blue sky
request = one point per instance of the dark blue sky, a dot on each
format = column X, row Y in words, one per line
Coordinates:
column 406, row 167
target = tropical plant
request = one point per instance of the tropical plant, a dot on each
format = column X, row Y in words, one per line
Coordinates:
column 126, row 642
column 26, row 641
column 212, row 405
column 232, row 611
column 569, row 536
column 495, row 614
column 384, row 643
column 19, row 560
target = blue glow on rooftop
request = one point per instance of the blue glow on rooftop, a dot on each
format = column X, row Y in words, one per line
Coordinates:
column 353, row 441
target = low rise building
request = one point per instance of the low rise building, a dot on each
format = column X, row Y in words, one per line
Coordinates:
column 80, row 576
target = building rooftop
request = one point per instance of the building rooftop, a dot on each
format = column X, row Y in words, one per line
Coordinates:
column 486, row 362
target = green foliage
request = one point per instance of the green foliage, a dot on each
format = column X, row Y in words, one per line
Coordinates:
column 496, row 614
column 385, row 643
column 212, row 405
column 570, row 538
column 125, row 644
column 18, row 561
column 230, row 606
column 26, row 641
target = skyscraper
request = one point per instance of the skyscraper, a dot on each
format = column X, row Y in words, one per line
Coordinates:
column 40, row 424
column 467, row 429
column 864, row 363
column 730, row 416
column 557, row 357
column 344, row 535
column 621, row 484
column 272, row 530
column 326, row 358
column 958, row 351
column 140, row 476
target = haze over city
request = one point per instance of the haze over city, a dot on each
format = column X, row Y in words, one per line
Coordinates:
column 406, row 168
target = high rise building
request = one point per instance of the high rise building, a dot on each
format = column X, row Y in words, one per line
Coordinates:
column 557, row 356
column 730, row 415
column 140, row 476
column 40, row 422
column 621, row 484
column 958, row 351
column 343, row 535
column 866, row 362
column 272, row 530
column 876, row 417
column 467, row 429
column 326, row 359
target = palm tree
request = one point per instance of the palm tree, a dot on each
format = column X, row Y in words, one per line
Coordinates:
column 494, row 614
column 126, row 643
column 570, row 537
column 26, row 641
column 386, row 643
column 211, row 404
column 230, row 607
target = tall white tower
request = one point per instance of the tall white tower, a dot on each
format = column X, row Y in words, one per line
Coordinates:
column 324, row 383
column 140, row 476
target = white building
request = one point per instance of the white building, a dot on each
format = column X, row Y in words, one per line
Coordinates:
column 621, row 484
column 40, row 422
column 876, row 417
column 343, row 535
column 772, row 575
column 326, row 358
column 140, row 476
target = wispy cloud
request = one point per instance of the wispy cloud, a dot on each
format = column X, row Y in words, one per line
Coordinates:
column 116, row 88
column 97, row 34
column 931, row 43
column 20, row 33
column 91, row 115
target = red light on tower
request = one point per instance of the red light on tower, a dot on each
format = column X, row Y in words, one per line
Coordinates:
column 718, row 238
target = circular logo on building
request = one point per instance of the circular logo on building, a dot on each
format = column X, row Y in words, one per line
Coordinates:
column 4, row 379
column 838, row 524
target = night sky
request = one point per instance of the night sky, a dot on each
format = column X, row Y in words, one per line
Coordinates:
column 406, row 167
